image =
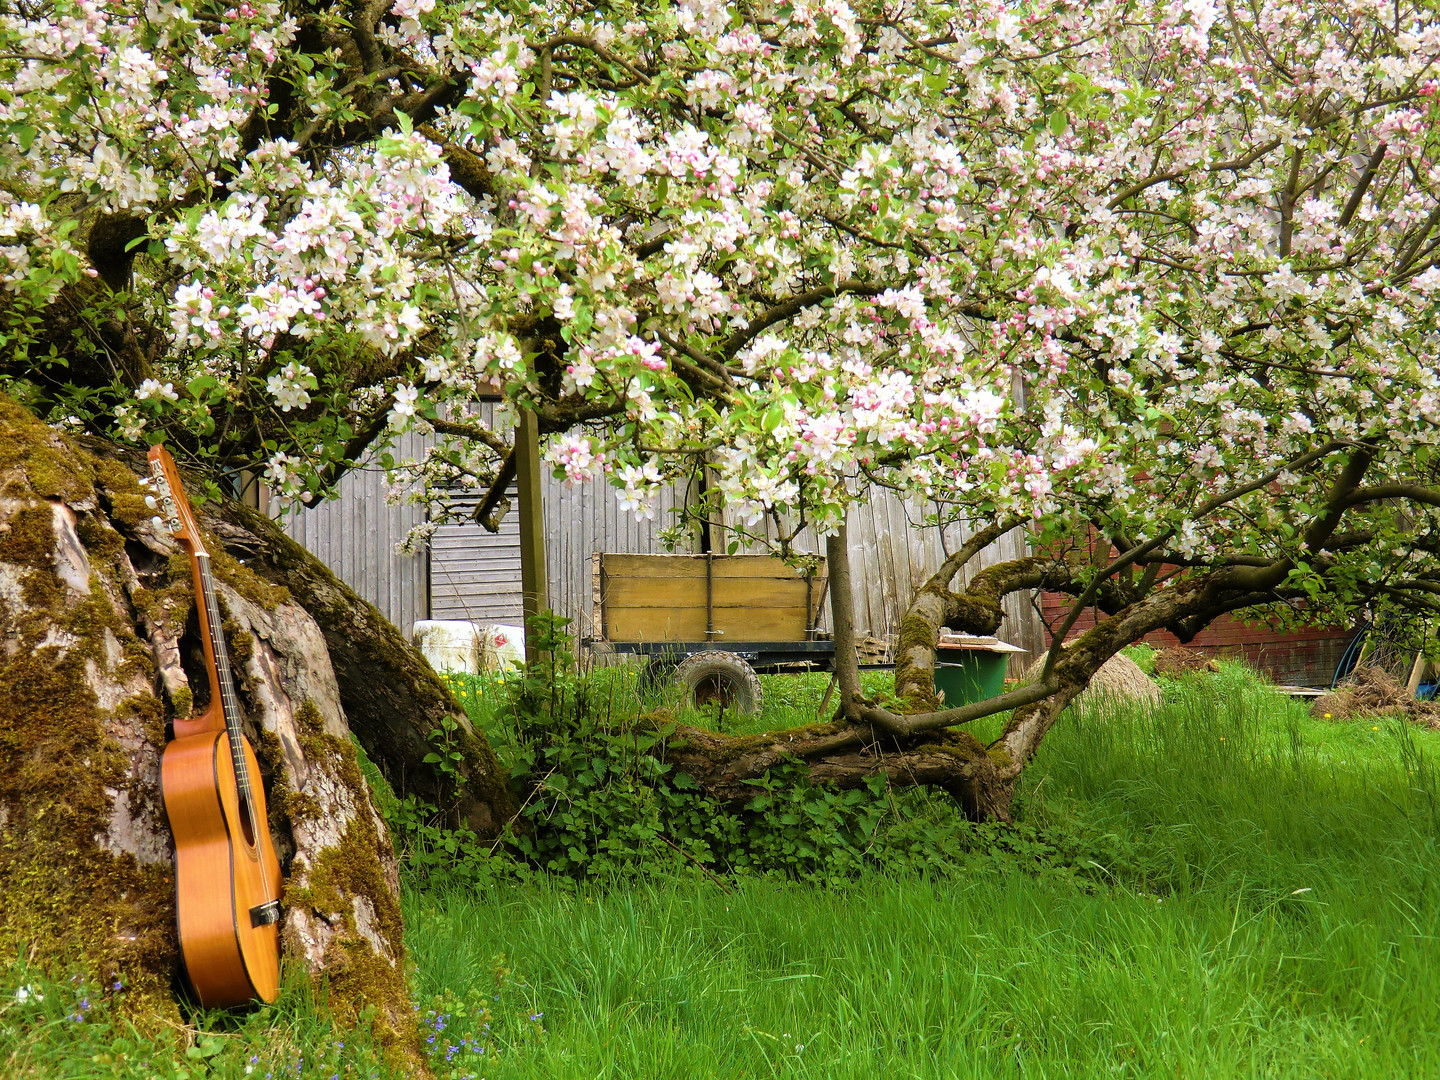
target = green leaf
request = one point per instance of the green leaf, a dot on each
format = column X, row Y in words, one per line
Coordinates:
column 24, row 136
column 583, row 319
column 201, row 383
column 1059, row 121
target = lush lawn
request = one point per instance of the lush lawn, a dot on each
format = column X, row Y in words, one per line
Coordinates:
column 1270, row 907
column 1277, row 913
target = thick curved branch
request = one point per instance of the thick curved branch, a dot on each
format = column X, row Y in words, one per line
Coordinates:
column 969, row 549
column 358, row 444
column 916, row 723
column 584, row 42
column 1159, row 178
column 1362, row 185
column 490, row 510
column 792, row 307
column 467, row 168
column 478, row 432
column 1409, row 492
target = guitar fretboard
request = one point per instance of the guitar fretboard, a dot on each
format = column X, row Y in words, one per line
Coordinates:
column 228, row 701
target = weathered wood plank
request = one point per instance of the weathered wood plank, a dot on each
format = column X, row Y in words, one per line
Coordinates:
column 745, row 567
column 744, row 593
column 688, row 624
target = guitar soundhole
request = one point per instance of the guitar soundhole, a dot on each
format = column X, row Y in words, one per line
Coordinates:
column 247, row 820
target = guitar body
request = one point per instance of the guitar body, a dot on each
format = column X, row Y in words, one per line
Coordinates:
column 226, row 879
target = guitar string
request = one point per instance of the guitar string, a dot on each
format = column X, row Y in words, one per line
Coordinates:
column 230, row 708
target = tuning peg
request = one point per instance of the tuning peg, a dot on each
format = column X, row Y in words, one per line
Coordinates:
column 150, row 502
column 158, row 521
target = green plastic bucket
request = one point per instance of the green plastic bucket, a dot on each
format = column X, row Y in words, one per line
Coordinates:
column 969, row 673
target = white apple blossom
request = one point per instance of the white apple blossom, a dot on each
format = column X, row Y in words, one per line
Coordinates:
column 1010, row 261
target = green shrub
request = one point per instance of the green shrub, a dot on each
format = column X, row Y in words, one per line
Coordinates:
column 599, row 801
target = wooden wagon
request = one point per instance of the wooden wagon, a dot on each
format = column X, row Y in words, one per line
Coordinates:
column 711, row 622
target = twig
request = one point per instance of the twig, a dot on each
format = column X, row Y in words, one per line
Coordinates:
column 697, row 862
column 535, row 791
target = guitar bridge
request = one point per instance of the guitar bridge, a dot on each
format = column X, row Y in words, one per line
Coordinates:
column 265, row 914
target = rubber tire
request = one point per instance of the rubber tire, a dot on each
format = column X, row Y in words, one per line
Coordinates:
column 711, row 676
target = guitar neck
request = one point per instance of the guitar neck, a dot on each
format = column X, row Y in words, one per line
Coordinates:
column 221, row 682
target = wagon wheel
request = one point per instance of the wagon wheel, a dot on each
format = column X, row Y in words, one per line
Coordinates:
column 719, row 678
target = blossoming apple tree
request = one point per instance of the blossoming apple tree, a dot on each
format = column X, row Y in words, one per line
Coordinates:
column 1155, row 281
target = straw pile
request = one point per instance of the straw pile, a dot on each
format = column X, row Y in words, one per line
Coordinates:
column 1119, row 679
column 1373, row 692
column 1177, row 663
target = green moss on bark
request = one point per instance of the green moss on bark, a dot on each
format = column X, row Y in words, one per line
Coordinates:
column 360, row 979
column 67, row 899
column 51, row 468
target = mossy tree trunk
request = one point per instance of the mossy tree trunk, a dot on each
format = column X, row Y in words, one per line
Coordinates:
column 101, row 652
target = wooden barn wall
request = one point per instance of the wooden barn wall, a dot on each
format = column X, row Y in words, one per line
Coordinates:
column 890, row 558
column 355, row 536
column 472, row 574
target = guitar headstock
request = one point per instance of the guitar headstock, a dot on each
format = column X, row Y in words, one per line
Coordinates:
column 170, row 500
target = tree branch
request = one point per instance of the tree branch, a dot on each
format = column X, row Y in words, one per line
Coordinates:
column 1361, row 186
column 490, row 510
column 789, row 308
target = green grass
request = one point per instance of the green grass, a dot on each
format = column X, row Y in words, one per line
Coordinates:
column 59, row 1027
column 617, row 692
column 1276, row 913
column 1270, row 908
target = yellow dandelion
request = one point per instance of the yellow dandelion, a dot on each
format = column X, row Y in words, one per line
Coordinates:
column 1327, row 716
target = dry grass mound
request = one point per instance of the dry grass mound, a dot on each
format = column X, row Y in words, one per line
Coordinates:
column 1372, row 691
column 1119, row 679
column 1177, row 662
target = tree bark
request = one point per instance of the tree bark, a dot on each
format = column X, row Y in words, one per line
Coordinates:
column 99, row 653
column 392, row 698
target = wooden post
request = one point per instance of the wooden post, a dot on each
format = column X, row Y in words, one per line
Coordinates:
column 532, row 525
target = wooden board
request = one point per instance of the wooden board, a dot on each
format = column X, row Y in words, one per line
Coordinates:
column 749, row 567
column 663, row 598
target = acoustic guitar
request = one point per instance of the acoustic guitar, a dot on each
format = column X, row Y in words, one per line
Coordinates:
column 227, row 878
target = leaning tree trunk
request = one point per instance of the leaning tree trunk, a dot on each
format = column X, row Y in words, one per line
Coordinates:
column 924, row 743
column 392, row 697
column 101, row 653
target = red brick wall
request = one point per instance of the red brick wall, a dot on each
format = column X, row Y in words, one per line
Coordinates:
column 1297, row 658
